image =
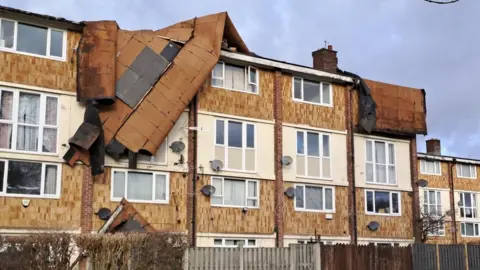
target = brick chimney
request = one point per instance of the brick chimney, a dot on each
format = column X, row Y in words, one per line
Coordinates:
column 325, row 59
column 433, row 147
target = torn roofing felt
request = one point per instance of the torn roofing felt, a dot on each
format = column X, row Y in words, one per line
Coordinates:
column 143, row 80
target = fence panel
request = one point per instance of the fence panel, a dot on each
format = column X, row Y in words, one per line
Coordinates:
column 452, row 257
column 424, row 257
column 473, row 257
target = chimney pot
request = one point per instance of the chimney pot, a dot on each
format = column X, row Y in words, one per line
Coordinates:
column 330, row 47
column 434, row 147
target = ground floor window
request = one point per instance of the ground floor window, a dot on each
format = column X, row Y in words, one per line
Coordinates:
column 232, row 242
column 140, row 186
column 470, row 229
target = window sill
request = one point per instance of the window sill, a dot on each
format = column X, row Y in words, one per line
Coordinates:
column 59, row 59
column 52, row 197
column 236, row 90
column 314, row 178
column 469, row 178
column 469, row 220
column 237, row 171
column 140, row 201
column 471, row 236
column 312, row 103
column 381, row 184
column 315, row 211
column 435, row 174
column 29, row 152
column 235, row 206
column 383, row 215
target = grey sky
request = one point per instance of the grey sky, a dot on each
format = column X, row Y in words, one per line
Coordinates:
column 407, row 42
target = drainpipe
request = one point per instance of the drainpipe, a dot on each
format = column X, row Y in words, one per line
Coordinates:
column 192, row 168
column 452, row 199
column 351, row 165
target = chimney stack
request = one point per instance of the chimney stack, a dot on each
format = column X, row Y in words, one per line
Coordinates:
column 325, row 59
column 433, row 147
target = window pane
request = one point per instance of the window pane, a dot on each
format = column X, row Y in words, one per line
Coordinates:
column 118, row 184
column 326, row 93
column 27, row 138
column 299, row 197
column 32, row 39
column 2, row 173
column 56, row 43
column 251, row 243
column 369, row 201
column 220, row 130
column 139, row 186
column 431, row 197
column 7, row 33
column 5, row 136
column 253, row 75
column 234, row 192
column 369, row 151
column 217, row 183
column 29, row 108
column 6, row 105
column 234, row 134
column 369, row 169
column 395, row 203
column 328, row 199
column 217, row 242
column 391, row 174
column 313, row 198
column 252, row 189
column 24, row 177
column 160, row 187
column 218, row 71
column 250, row 135
column 382, row 202
column 313, row 146
column 468, row 200
column 381, row 171
column 252, row 202
column 380, row 152
column 297, row 88
column 51, row 111
column 311, row 91
column 300, row 143
column 326, row 145
column 469, row 229
column 326, row 168
column 49, row 140
column 50, row 179
column 391, row 154
column 235, row 77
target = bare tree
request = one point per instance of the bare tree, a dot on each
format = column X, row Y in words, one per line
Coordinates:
column 431, row 222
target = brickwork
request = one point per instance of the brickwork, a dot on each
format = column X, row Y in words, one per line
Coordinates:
column 352, row 221
column 415, row 198
column 278, row 149
column 192, row 157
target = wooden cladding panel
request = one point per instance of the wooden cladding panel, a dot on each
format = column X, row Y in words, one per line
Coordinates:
column 390, row 226
column 214, row 219
column 42, row 72
column 314, row 115
column 309, row 223
column 469, row 184
column 47, row 214
column 237, row 103
column 436, row 181
column 163, row 217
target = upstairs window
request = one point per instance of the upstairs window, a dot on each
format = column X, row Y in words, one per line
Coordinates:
column 382, row 202
column 430, row 167
column 314, row 198
column 235, row 144
column 380, row 162
column 468, row 205
column 466, row 171
column 28, row 121
column 235, row 192
column 313, row 155
column 32, row 39
column 233, row 77
column 312, row 92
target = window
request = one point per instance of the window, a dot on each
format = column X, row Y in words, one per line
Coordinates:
column 227, row 242
column 313, row 155
column 469, row 229
column 32, row 39
column 382, row 202
column 234, row 77
column 29, row 179
column 235, row 192
column 28, row 121
column 380, row 162
column 159, row 158
column 235, row 144
column 312, row 92
column 432, row 209
column 314, row 198
column 466, row 171
column 430, row 167
column 468, row 205
column 138, row 186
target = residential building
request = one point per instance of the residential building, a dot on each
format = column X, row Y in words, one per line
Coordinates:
column 206, row 138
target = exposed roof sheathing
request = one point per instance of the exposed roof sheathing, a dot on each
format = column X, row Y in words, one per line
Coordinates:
column 126, row 219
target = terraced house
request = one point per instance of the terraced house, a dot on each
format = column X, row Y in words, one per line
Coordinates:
column 185, row 129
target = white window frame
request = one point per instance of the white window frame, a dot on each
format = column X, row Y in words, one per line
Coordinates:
column 322, row 103
column 476, row 229
column 472, row 168
column 245, row 245
column 320, row 157
column 387, row 162
column 323, row 198
column 437, row 167
column 399, row 195
column 41, row 125
column 247, row 181
column 247, row 70
column 244, row 143
column 3, row 193
column 154, row 174
column 473, row 208
column 437, row 204
column 49, row 30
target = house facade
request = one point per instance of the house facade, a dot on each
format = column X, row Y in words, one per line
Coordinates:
column 223, row 145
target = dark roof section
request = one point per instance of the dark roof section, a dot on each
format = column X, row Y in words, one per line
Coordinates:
column 462, row 159
column 77, row 26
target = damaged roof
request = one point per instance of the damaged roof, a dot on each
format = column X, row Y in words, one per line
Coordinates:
column 126, row 218
column 8, row 10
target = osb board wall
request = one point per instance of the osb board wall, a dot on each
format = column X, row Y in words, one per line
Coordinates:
column 390, row 226
column 314, row 115
column 446, row 239
column 163, row 217
column 309, row 223
column 219, row 100
column 45, row 214
column 215, row 219
column 468, row 184
column 435, row 181
column 42, row 72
